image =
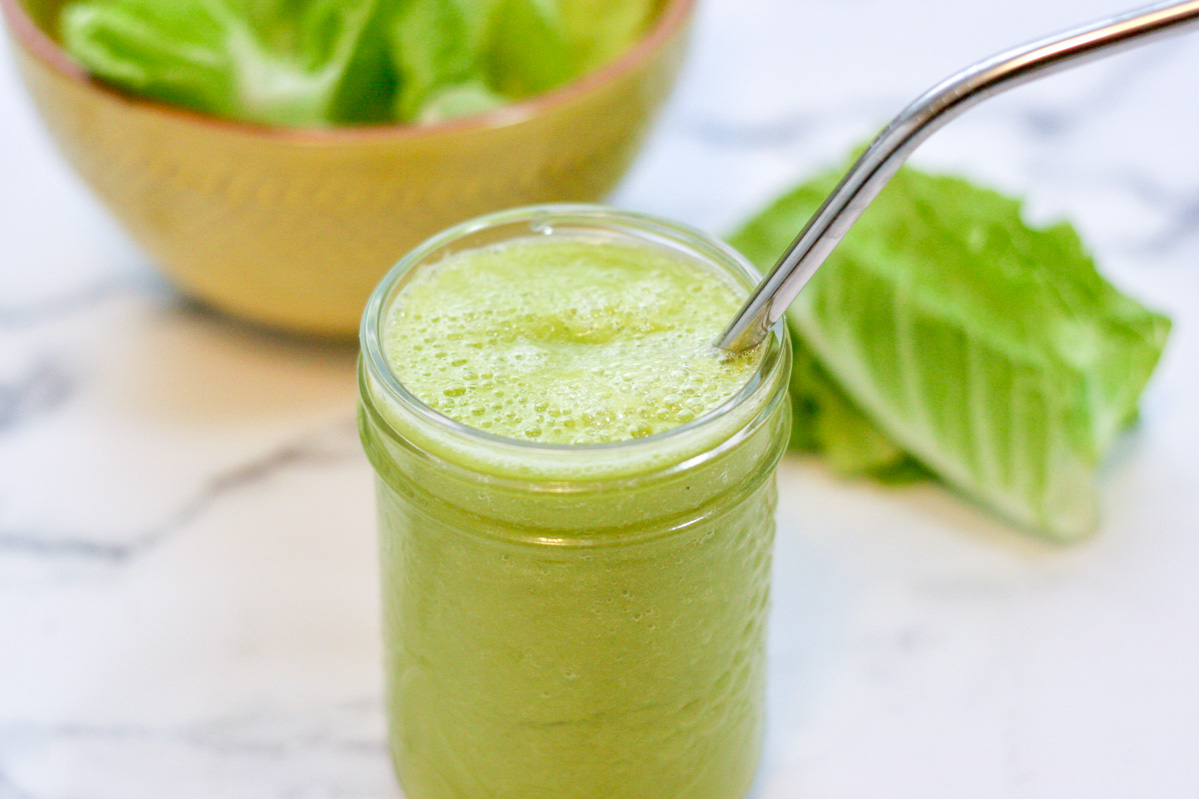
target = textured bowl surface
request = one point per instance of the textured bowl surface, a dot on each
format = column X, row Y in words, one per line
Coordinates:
column 293, row 228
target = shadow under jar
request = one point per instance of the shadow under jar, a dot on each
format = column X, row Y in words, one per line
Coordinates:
column 574, row 621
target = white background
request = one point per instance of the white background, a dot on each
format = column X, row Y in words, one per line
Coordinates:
column 187, row 576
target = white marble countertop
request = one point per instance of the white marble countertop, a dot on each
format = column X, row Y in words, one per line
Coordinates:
column 187, row 571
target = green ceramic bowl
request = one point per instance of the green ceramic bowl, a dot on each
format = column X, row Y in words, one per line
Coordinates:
column 293, row 228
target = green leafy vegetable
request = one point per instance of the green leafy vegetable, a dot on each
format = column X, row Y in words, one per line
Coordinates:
column 600, row 30
column 279, row 62
column 459, row 56
column 438, row 49
column 334, row 62
column 826, row 421
column 945, row 327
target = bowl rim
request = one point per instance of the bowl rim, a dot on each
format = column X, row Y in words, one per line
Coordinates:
column 672, row 17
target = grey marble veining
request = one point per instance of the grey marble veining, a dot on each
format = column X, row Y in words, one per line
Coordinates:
column 188, row 598
column 334, row 446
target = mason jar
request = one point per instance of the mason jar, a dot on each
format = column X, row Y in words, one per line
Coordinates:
column 574, row 621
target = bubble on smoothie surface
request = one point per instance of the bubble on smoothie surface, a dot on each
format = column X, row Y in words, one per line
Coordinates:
column 567, row 341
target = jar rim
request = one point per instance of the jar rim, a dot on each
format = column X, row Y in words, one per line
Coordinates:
column 543, row 219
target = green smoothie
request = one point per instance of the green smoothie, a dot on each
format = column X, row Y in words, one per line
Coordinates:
column 570, row 341
column 575, row 506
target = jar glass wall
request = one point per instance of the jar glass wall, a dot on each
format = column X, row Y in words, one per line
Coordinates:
column 577, row 621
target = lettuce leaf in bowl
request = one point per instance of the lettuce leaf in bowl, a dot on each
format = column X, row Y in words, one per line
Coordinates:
column 277, row 62
column 465, row 56
column 311, row 63
column 991, row 352
column 600, row 30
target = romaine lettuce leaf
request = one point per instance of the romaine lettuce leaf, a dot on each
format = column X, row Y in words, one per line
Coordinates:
column 306, row 63
column 465, row 56
column 600, row 30
column 457, row 100
column 439, row 48
column 993, row 352
column 826, row 421
column 278, row 62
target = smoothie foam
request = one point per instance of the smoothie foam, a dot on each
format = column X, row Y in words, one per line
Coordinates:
column 572, row 341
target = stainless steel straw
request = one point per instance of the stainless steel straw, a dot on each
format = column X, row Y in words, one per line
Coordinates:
column 916, row 123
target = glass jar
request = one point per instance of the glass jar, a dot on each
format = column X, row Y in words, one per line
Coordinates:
column 580, row 621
